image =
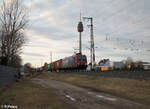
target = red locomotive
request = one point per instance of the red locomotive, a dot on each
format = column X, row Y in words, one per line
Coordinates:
column 75, row 62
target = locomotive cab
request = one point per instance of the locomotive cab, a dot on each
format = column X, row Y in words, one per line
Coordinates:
column 81, row 61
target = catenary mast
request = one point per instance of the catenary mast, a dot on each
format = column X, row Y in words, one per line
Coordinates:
column 92, row 48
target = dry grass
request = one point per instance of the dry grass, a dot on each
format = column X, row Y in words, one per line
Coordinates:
column 137, row 90
column 27, row 95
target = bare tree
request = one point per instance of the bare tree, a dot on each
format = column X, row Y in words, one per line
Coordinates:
column 28, row 68
column 16, row 61
column 13, row 20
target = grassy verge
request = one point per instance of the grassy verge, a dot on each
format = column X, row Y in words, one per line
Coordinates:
column 136, row 90
column 27, row 95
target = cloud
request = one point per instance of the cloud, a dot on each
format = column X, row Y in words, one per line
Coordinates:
column 53, row 27
column 33, row 54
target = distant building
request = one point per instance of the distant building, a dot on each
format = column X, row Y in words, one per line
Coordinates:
column 146, row 65
column 102, row 62
column 109, row 63
column 118, row 65
column 105, row 65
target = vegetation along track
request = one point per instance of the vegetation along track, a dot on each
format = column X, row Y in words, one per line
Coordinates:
column 142, row 75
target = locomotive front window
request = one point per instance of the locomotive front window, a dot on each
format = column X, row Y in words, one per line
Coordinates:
column 84, row 58
column 81, row 58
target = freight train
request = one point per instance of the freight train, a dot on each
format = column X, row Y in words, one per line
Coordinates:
column 75, row 62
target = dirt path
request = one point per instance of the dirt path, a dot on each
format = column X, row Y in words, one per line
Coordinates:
column 82, row 98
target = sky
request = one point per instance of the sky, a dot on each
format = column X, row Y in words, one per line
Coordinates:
column 121, row 29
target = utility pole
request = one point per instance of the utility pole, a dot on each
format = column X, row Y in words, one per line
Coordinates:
column 92, row 49
column 80, row 30
column 41, row 62
column 50, row 56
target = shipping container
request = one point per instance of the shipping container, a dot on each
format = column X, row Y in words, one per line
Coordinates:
column 49, row 67
column 52, row 66
column 58, row 64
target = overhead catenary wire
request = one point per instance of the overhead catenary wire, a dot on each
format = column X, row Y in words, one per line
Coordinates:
column 121, row 26
column 134, row 45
